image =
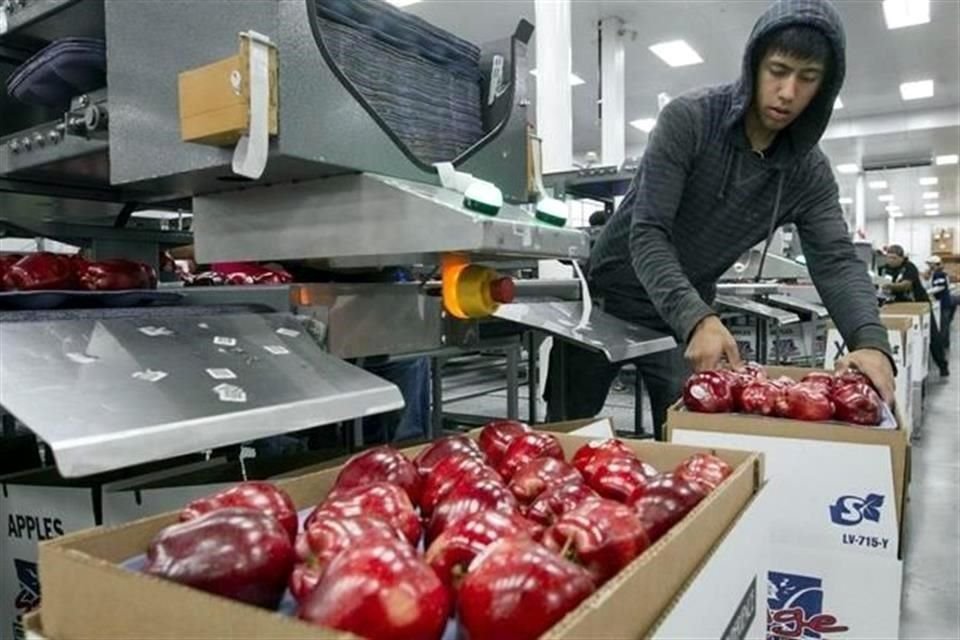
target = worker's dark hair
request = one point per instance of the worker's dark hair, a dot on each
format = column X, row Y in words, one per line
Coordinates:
column 896, row 250
column 799, row 41
column 598, row 218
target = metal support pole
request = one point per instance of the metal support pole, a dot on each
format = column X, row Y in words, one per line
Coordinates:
column 554, row 99
column 533, row 381
column 357, row 433
column 436, row 394
column 638, row 403
column 513, row 381
column 761, row 340
column 612, row 66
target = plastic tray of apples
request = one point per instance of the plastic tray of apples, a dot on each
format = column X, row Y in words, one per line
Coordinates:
column 478, row 536
column 847, row 397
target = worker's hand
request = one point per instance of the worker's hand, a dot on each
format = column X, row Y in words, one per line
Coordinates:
column 875, row 365
column 711, row 342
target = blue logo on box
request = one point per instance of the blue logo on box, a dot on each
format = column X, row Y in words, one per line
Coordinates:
column 29, row 596
column 795, row 608
column 848, row 511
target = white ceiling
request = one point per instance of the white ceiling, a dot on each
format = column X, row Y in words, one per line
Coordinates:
column 878, row 60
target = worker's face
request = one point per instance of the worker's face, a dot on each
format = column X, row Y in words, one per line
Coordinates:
column 785, row 86
column 894, row 261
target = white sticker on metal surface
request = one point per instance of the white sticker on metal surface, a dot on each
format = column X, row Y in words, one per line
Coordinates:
column 276, row 349
column 250, row 154
column 290, row 333
column 154, row 332
column 149, row 375
column 496, row 80
column 225, row 341
column 221, row 374
column 230, row 393
column 80, row 358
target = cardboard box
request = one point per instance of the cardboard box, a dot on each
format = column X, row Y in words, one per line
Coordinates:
column 920, row 339
column 117, row 603
column 834, row 503
column 891, row 444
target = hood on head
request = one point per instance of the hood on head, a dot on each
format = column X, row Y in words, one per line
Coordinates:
column 807, row 129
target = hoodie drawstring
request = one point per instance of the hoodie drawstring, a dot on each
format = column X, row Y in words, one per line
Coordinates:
column 773, row 226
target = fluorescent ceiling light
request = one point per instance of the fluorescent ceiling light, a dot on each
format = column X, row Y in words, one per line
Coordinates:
column 575, row 80
column 931, row 205
column 838, row 103
column 877, row 184
column 935, row 212
column 846, row 200
column 906, row 13
column 916, row 90
column 928, row 182
column 402, row 3
column 644, row 124
column 931, row 195
column 948, row 159
column 887, row 197
column 896, row 214
column 849, row 167
column 891, row 208
column 676, row 53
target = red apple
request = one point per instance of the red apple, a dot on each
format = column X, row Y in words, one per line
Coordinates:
column 667, row 499
column 236, row 552
column 558, row 500
column 586, row 453
column 445, row 477
column 496, row 436
column 804, row 401
column 618, row 477
column 324, row 539
column 442, row 449
column 858, row 403
column 527, row 447
column 382, row 500
column 688, row 492
column 604, row 458
column 517, row 589
column 382, row 590
column 658, row 513
column 708, row 392
column 760, row 397
column 850, row 376
column 601, row 535
column 820, row 379
column 262, row 496
column 705, row 468
column 452, row 552
column 381, row 464
column 539, row 475
column 470, row 496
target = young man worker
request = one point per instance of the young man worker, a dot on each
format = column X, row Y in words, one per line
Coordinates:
column 723, row 168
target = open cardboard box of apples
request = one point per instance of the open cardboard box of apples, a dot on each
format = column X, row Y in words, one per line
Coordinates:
column 505, row 533
column 822, row 407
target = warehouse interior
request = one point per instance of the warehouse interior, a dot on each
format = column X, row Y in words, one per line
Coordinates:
column 381, row 273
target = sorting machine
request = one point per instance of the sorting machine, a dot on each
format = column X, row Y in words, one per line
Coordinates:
column 349, row 136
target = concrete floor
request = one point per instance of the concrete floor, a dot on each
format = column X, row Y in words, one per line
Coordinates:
column 931, row 582
column 931, row 588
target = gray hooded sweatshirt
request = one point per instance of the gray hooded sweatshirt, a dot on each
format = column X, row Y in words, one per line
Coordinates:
column 702, row 197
